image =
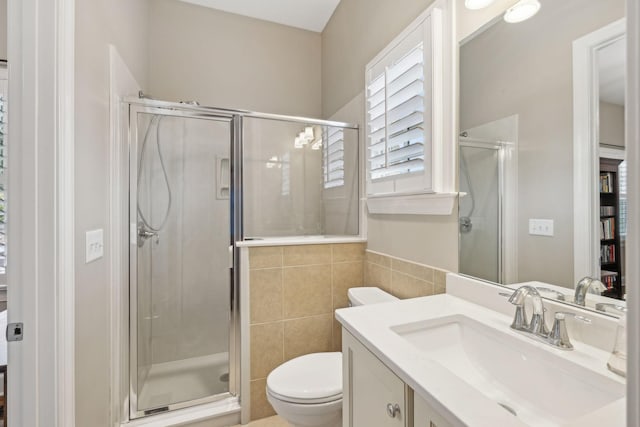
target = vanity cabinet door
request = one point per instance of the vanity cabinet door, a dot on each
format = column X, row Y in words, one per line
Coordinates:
column 373, row 396
column 425, row 416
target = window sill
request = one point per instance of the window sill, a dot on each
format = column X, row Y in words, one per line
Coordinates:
column 412, row 204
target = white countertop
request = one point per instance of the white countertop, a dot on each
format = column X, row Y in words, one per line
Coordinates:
column 455, row 400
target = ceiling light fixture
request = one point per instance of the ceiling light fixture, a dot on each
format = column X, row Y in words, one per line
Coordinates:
column 308, row 133
column 304, row 137
column 521, row 11
column 477, row 4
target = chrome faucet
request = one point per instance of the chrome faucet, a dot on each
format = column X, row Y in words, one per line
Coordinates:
column 583, row 287
column 537, row 324
column 558, row 336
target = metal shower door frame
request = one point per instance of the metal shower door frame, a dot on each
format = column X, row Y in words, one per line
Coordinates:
column 499, row 148
column 186, row 111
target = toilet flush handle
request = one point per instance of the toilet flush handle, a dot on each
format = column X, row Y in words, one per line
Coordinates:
column 393, row 409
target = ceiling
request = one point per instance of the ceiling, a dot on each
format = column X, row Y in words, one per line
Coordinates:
column 611, row 74
column 310, row 15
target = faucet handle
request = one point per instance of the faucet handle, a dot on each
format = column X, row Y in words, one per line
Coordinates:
column 520, row 322
column 559, row 337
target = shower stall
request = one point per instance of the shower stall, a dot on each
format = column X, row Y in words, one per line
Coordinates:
column 200, row 180
column 180, row 280
column 482, row 208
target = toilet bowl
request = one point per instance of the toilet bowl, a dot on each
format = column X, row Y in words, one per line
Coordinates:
column 307, row 391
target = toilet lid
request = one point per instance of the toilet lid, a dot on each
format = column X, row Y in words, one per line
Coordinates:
column 312, row 378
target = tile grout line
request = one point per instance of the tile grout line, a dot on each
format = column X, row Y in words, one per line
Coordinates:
column 333, row 310
column 282, row 302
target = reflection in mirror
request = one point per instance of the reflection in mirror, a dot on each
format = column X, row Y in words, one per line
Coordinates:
column 516, row 152
column 612, row 209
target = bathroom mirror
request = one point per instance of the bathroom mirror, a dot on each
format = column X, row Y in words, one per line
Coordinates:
column 519, row 128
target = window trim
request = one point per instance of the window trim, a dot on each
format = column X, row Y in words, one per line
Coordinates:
column 428, row 201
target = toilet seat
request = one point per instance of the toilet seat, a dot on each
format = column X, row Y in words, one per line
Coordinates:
column 309, row 379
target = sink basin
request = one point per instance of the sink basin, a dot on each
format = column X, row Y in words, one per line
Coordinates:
column 535, row 384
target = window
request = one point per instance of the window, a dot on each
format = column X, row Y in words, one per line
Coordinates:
column 622, row 188
column 396, row 118
column 408, row 89
column 333, row 157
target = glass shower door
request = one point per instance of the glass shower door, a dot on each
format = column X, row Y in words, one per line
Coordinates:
column 179, row 260
column 480, row 212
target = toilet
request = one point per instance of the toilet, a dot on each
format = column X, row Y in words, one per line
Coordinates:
column 307, row 391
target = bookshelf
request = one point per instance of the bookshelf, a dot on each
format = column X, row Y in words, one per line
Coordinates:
column 610, row 259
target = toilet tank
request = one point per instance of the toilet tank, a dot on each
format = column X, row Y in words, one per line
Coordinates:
column 368, row 295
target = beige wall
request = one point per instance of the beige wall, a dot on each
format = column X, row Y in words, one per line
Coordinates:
column 231, row 61
column 98, row 23
column 356, row 32
column 531, row 76
column 3, row 29
column 611, row 124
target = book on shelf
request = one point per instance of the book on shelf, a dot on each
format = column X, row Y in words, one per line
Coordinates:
column 607, row 228
column 608, row 278
column 606, row 182
column 607, row 254
column 607, row 210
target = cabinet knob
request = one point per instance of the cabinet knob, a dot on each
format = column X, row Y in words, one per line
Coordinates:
column 393, row 409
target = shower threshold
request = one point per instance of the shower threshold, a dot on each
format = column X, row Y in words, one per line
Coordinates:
column 184, row 380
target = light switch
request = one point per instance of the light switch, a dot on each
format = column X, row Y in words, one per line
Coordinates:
column 94, row 241
column 541, row 227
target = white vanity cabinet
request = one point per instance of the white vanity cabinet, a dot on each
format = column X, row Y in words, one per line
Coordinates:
column 425, row 415
column 373, row 396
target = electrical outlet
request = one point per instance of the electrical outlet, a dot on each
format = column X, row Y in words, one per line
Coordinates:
column 94, row 241
column 541, row 227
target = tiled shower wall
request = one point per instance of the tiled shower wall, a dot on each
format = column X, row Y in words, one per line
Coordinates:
column 294, row 291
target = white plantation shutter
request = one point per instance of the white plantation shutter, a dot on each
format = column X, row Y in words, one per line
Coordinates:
column 333, row 156
column 399, row 115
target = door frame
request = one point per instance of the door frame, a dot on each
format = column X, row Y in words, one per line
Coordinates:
column 586, row 147
column 41, row 271
column 633, row 216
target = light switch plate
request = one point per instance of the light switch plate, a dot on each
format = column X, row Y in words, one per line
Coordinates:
column 94, row 241
column 541, row 227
